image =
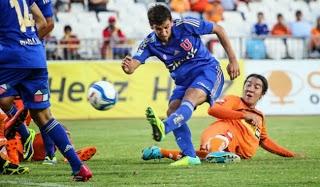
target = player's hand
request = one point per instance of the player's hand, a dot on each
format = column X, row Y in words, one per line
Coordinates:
column 126, row 65
column 233, row 69
column 252, row 118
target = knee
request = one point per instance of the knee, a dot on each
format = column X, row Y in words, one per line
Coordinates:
column 41, row 117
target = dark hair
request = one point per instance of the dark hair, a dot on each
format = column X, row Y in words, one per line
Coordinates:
column 260, row 13
column 67, row 27
column 158, row 14
column 298, row 13
column 263, row 80
column 279, row 15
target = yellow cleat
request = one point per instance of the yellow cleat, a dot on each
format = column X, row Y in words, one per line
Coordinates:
column 158, row 127
column 187, row 161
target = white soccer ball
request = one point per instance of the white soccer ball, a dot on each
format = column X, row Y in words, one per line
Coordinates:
column 102, row 95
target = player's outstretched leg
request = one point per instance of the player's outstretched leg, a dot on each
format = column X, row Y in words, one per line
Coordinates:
column 222, row 157
column 158, row 127
column 59, row 136
column 152, row 152
column 27, row 135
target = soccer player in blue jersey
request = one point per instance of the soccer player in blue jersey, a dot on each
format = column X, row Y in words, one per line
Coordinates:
column 28, row 135
column 24, row 70
column 196, row 72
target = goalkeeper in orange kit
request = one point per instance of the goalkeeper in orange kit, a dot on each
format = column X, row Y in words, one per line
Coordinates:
column 14, row 146
column 238, row 132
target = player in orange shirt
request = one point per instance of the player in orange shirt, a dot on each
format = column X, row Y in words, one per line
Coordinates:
column 239, row 130
column 14, row 144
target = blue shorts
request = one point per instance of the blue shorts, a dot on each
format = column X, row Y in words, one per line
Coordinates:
column 30, row 84
column 210, row 80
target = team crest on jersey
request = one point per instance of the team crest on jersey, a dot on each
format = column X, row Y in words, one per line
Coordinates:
column 41, row 95
column 3, row 88
column 186, row 45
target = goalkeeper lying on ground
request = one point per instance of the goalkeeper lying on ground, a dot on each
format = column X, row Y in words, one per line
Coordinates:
column 37, row 152
column 238, row 131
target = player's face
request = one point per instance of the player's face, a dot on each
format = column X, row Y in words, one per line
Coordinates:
column 252, row 91
column 163, row 31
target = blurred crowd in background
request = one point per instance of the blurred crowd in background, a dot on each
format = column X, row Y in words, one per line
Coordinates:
column 112, row 29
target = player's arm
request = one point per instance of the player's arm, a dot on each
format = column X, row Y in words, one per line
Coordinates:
column 50, row 25
column 226, row 108
column 269, row 145
column 233, row 66
column 129, row 65
column 41, row 22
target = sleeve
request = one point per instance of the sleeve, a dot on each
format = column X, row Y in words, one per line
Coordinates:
column 143, row 52
column 45, row 7
column 271, row 146
column 226, row 109
column 196, row 26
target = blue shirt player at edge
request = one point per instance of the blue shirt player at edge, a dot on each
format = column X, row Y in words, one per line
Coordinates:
column 196, row 72
column 23, row 69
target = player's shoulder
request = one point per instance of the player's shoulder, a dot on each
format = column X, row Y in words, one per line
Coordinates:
column 186, row 22
column 229, row 98
column 149, row 40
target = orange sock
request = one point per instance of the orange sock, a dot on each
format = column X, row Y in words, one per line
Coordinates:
column 12, row 150
column 171, row 154
column 218, row 143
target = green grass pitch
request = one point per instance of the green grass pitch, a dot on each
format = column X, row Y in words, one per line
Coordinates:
column 118, row 159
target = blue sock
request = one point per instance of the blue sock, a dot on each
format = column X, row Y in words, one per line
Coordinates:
column 21, row 128
column 183, row 139
column 48, row 144
column 59, row 136
column 179, row 117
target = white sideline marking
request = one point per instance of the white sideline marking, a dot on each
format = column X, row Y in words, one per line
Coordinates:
column 32, row 183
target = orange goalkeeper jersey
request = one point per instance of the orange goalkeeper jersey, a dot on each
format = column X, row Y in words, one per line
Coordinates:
column 231, row 110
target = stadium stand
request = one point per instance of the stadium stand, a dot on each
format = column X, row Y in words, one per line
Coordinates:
column 131, row 18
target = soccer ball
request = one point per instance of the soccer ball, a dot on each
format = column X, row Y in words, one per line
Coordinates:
column 102, row 95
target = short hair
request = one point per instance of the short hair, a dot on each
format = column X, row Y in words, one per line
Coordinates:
column 263, row 80
column 298, row 13
column 67, row 27
column 260, row 13
column 158, row 14
column 279, row 15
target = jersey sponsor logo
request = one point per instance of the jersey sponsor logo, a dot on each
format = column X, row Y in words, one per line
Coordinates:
column 41, row 95
column 174, row 65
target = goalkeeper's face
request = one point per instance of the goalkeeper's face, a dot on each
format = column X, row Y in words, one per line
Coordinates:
column 163, row 31
column 252, row 91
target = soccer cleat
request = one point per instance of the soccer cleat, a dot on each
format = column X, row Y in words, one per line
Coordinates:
column 12, row 169
column 222, row 157
column 187, row 161
column 50, row 161
column 83, row 175
column 28, row 146
column 86, row 153
column 152, row 152
column 158, row 127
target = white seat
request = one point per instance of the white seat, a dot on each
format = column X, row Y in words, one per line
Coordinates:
column 296, row 48
column 275, row 48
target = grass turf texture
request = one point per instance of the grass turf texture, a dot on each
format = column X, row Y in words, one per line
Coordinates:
column 118, row 160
